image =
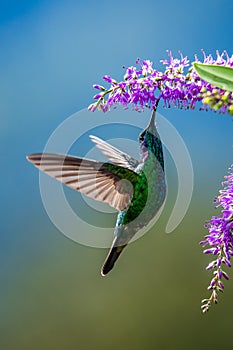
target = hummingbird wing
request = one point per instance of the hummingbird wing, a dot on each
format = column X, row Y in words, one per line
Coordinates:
column 115, row 155
column 104, row 182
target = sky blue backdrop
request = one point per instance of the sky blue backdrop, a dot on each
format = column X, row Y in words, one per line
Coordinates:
column 51, row 54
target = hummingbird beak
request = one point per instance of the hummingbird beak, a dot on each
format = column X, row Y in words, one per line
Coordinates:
column 151, row 126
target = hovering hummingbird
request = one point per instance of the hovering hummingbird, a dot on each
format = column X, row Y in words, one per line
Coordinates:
column 136, row 189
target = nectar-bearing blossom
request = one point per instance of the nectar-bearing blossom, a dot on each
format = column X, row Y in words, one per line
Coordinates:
column 220, row 240
column 179, row 85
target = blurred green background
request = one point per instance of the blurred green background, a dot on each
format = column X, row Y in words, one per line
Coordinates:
column 52, row 293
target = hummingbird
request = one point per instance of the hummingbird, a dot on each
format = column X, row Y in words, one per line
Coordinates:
column 136, row 189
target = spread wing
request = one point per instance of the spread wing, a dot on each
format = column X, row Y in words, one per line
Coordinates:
column 104, row 182
column 115, row 155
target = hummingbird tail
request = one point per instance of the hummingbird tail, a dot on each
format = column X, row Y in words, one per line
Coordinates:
column 112, row 257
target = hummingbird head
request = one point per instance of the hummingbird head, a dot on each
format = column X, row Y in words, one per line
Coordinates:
column 150, row 129
column 150, row 141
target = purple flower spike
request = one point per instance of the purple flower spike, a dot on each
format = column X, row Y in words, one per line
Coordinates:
column 220, row 239
column 178, row 85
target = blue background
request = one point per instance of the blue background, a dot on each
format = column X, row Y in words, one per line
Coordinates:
column 52, row 294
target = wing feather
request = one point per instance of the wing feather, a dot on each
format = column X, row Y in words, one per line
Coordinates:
column 115, row 155
column 100, row 181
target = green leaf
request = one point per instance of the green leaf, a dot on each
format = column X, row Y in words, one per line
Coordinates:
column 219, row 76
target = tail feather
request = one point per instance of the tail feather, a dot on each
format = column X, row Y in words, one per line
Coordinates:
column 112, row 257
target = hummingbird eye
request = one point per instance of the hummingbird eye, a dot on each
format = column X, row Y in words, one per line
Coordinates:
column 141, row 137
